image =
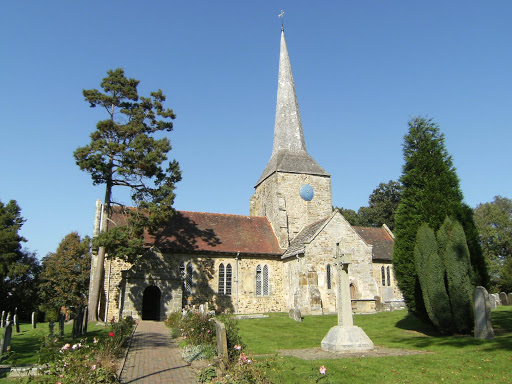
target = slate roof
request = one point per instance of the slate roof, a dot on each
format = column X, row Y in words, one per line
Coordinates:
column 381, row 240
column 305, row 236
column 201, row 232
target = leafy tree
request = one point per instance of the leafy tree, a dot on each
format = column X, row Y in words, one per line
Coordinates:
column 18, row 268
column 494, row 223
column 64, row 279
column 350, row 215
column 430, row 193
column 382, row 205
column 123, row 152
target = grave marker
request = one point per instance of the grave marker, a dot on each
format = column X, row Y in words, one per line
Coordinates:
column 482, row 311
column 34, row 323
column 5, row 339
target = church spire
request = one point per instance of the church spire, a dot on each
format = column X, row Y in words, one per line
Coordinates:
column 289, row 151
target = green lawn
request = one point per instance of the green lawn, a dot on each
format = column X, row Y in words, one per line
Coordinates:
column 453, row 359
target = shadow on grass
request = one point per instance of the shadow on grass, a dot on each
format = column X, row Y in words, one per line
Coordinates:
column 423, row 334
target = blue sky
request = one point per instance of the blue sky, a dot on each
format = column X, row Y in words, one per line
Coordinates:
column 361, row 70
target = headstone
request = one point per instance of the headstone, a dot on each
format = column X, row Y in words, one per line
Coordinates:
column 482, row 311
column 84, row 324
column 497, row 300
column 201, row 309
column 222, row 344
column 16, row 323
column 61, row 324
column 295, row 314
column 345, row 336
column 8, row 319
column 2, row 324
column 510, row 298
column 503, row 298
column 34, row 321
column 5, row 339
column 492, row 301
column 51, row 325
column 378, row 303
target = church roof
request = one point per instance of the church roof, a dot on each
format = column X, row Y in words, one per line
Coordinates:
column 381, row 240
column 298, row 244
column 201, row 232
column 289, row 152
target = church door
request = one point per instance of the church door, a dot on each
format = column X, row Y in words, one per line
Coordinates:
column 151, row 303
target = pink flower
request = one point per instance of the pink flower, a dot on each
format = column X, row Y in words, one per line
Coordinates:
column 237, row 347
column 65, row 347
column 323, row 370
column 93, row 367
column 95, row 340
column 111, row 334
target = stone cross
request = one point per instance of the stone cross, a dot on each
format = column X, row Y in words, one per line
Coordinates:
column 343, row 301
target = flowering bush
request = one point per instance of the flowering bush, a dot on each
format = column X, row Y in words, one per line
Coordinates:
column 83, row 362
column 196, row 328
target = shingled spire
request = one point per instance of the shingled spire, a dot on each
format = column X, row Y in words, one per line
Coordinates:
column 289, row 152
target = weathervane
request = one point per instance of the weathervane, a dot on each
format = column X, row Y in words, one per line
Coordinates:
column 281, row 15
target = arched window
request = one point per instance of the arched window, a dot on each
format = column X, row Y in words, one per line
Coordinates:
column 258, row 281
column 328, row 272
column 186, row 272
column 383, row 273
column 389, row 277
column 225, row 278
column 262, row 281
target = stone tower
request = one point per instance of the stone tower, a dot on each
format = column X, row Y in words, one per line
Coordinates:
column 293, row 190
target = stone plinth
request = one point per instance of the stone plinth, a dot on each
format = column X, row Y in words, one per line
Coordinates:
column 346, row 339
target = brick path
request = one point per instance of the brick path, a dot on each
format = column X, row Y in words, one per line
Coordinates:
column 154, row 357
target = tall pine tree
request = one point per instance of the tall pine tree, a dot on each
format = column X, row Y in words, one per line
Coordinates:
column 430, row 193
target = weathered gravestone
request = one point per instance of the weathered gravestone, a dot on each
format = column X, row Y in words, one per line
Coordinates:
column 77, row 323
column 61, row 324
column 497, row 300
column 345, row 336
column 8, row 318
column 482, row 311
column 509, row 298
column 84, row 323
column 51, row 325
column 5, row 339
column 16, row 323
column 222, row 344
column 34, row 321
column 378, row 303
column 492, row 301
column 2, row 323
column 503, row 298
column 295, row 314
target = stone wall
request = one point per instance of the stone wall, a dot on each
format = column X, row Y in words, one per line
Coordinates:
column 307, row 274
column 393, row 292
column 278, row 199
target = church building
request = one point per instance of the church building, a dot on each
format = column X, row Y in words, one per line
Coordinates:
column 280, row 257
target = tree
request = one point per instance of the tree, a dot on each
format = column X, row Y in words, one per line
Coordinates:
column 350, row 215
column 382, row 205
column 430, row 193
column 494, row 223
column 18, row 268
column 123, row 152
column 444, row 274
column 64, row 279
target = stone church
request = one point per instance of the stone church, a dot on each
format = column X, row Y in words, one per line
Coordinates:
column 279, row 257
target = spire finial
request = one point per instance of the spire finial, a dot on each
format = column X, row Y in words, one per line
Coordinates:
column 281, row 15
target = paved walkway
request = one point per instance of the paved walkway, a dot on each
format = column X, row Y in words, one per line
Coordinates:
column 154, row 357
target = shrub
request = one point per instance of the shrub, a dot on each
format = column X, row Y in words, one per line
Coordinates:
column 197, row 328
column 198, row 352
column 233, row 336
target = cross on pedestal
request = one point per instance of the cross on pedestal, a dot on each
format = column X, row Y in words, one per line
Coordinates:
column 345, row 336
column 343, row 302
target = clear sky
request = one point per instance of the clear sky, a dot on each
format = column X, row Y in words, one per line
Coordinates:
column 361, row 69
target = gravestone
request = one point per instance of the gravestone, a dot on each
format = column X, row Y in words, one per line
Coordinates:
column 61, row 324
column 202, row 310
column 492, row 301
column 2, row 324
column 345, row 336
column 497, row 300
column 378, row 303
column 8, row 318
column 509, row 298
column 34, row 321
column 5, row 339
column 84, row 324
column 503, row 298
column 51, row 325
column 295, row 314
column 16, row 323
column 482, row 311
column 222, row 345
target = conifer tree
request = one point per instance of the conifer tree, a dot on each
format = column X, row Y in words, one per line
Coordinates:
column 123, row 152
column 430, row 193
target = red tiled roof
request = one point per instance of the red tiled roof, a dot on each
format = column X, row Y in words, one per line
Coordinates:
column 215, row 232
column 380, row 239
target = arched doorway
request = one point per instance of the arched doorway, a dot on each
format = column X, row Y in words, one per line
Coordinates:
column 151, row 303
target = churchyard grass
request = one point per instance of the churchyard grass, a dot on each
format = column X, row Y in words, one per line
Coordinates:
column 26, row 344
column 445, row 359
